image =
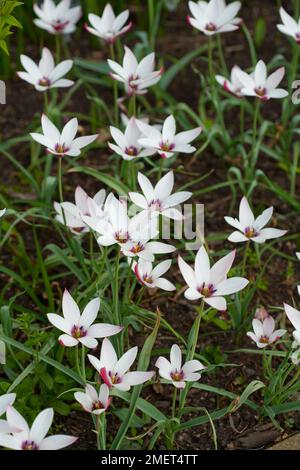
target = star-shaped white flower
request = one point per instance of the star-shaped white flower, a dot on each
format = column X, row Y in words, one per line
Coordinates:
column 290, row 27
column 109, row 26
column 211, row 284
column 167, row 142
column 92, row 401
column 57, row 19
column 264, row 332
column 114, row 371
column 23, row 437
column 127, row 143
column 84, row 206
column 214, row 17
column 249, row 228
column 261, row 86
column 177, row 373
column 159, row 199
column 152, row 277
column 45, row 74
column 136, row 76
column 232, row 85
column 64, row 143
column 80, row 328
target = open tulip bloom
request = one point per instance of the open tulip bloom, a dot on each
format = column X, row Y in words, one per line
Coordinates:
column 210, row 284
column 232, row 85
column 127, row 143
column 109, row 26
column 260, row 85
column 45, row 75
column 136, row 76
column 152, row 277
column 114, row 371
column 249, row 228
column 159, row 199
column 264, row 332
column 92, row 401
column 80, row 328
column 290, row 27
column 214, row 16
column 57, row 19
column 71, row 214
column 294, row 317
column 5, row 401
column 22, row 437
column 167, row 142
column 64, row 143
column 177, row 373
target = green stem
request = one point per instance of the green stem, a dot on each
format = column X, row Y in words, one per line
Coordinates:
column 174, row 402
column 77, row 361
column 83, row 363
column 101, row 431
column 254, row 140
column 115, row 86
column 221, row 54
column 133, row 105
column 46, row 102
column 245, row 257
column 58, row 47
column 151, row 14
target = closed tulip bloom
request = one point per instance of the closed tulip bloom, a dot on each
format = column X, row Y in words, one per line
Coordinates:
column 92, row 401
column 176, row 372
column 167, row 142
column 5, row 401
column 210, row 284
column 80, row 328
column 232, row 85
column 23, row 437
column 57, row 19
column 2, row 212
column 289, row 26
column 159, row 199
column 261, row 86
column 127, row 144
column 45, row 74
column 64, row 143
column 251, row 228
column 294, row 317
column 114, row 371
column 264, row 332
column 152, row 277
column 214, row 17
column 109, row 26
column 136, row 76
column 71, row 214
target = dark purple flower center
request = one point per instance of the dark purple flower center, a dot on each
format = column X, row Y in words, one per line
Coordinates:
column 97, row 405
column 132, row 151
column 115, row 379
column 177, row 376
column 264, row 339
column 250, row 232
column 210, row 27
column 29, row 445
column 78, row 332
column 260, row 91
column 61, row 148
column 147, row 278
column 44, row 81
column 122, row 237
column 207, row 290
column 155, row 205
column 166, row 146
column 137, row 248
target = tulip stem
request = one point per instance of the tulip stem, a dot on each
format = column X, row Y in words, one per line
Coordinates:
column 174, row 402
column 58, row 47
column 221, row 54
column 245, row 257
column 133, row 106
column 191, row 349
column 115, row 85
column 254, row 140
column 77, row 361
column 101, row 431
column 83, row 362
column 141, row 294
column 46, row 102
column 60, row 189
column 116, row 293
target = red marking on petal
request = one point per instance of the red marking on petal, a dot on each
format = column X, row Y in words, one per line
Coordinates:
column 104, row 377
